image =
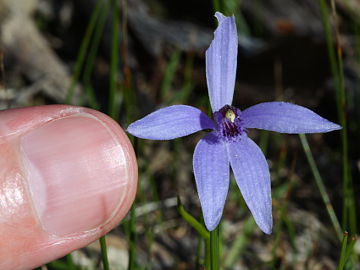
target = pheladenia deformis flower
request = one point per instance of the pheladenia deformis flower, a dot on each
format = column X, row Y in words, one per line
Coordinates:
column 227, row 144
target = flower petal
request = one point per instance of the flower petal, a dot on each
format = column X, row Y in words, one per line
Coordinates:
column 170, row 123
column 221, row 59
column 252, row 175
column 211, row 170
column 285, row 117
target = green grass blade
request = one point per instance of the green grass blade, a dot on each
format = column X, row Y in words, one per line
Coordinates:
column 132, row 238
column 233, row 7
column 264, row 140
column 170, row 74
column 349, row 204
column 92, row 56
column 356, row 100
column 130, row 227
column 350, row 250
column 82, row 52
column 240, row 243
column 337, row 69
column 320, row 184
column 114, row 98
column 104, row 253
column 199, row 249
column 343, row 251
column 182, row 95
column 188, row 85
column 58, row 265
column 70, row 262
column 217, row 5
column 127, row 90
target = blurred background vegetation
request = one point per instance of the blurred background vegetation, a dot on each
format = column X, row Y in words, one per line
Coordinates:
column 128, row 58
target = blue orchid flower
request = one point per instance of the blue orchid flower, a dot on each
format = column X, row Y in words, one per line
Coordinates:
column 228, row 143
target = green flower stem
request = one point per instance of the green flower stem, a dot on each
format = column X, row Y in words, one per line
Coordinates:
column 104, row 253
column 320, row 184
column 214, row 249
column 202, row 231
column 207, row 255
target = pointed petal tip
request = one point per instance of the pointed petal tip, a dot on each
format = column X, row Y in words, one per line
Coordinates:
column 221, row 61
column 286, row 117
column 130, row 129
column 211, row 226
column 170, row 123
column 267, row 229
column 211, row 171
column 265, row 223
column 327, row 126
column 135, row 131
column 252, row 176
column 221, row 17
column 335, row 127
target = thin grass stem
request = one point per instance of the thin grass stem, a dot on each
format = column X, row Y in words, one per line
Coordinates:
column 240, row 243
column 199, row 249
column 337, row 69
column 132, row 234
column 343, row 251
column 128, row 93
column 133, row 238
column 350, row 249
column 349, row 203
column 70, row 262
column 82, row 52
column 113, row 97
column 264, row 140
column 320, row 184
column 92, row 56
column 104, row 255
column 217, row 5
column 188, row 84
column 170, row 73
column 58, row 265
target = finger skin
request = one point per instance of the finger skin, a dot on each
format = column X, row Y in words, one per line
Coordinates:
column 24, row 243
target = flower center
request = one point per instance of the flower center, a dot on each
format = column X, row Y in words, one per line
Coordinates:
column 230, row 115
column 229, row 122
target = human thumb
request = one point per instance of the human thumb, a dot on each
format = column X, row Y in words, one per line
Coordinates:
column 68, row 175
